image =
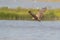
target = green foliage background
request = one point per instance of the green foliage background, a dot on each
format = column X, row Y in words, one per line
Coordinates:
column 22, row 14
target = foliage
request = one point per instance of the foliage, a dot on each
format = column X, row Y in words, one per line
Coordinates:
column 22, row 14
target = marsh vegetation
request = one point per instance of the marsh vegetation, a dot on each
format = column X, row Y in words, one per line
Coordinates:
column 22, row 14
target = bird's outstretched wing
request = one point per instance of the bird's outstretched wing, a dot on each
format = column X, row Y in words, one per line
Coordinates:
column 33, row 15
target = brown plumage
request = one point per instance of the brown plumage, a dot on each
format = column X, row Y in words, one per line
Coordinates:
column 39, row 15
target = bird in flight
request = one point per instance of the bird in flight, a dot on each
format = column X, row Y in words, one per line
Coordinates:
column 39, row 15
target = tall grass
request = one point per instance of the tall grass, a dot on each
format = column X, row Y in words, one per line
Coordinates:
column 15, row 16
column 22, row 14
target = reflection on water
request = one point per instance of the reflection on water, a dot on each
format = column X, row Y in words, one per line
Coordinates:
column 29, row 30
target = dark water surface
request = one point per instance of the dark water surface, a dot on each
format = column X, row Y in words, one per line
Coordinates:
column 29, row 30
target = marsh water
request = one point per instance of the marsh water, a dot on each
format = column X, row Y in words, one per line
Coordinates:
column 29, row 30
